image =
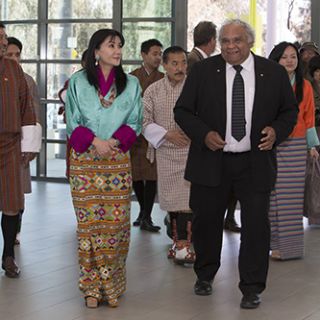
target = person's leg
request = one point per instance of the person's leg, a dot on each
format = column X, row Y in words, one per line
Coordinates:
column 255, row 242
column 174, row 232
column 17, row 240
column 230, row 221
column 184, row 253
column 9, row 226
column 208, row 205
column 255, row 234
column 138, row 188
column 150, row 190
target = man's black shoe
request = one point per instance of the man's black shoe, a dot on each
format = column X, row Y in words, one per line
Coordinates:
column 250, row 301
column 137, row 222
column 147, row 225
column 231, row 225
column 203, row 288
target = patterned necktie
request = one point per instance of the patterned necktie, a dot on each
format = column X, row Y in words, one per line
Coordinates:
column 238, row 123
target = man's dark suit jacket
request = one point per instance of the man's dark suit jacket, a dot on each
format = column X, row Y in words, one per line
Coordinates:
column 201, row 108
column 193, row 57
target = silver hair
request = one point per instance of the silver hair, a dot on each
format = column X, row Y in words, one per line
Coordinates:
column 249, row 31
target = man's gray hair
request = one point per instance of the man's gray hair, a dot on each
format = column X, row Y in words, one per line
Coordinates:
column 249, row 31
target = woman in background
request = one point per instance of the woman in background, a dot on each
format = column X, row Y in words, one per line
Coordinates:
column 104, row 116
column 286, row 202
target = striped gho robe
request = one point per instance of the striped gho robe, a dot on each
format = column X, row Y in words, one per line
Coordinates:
column 158, row 101
column 16, row 111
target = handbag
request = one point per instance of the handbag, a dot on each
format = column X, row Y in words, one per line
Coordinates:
column 311, row 208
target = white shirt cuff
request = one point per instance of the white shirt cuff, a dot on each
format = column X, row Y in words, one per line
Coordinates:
column 31, row 138
column 155, row 134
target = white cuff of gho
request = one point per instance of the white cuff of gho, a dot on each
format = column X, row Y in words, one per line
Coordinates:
column 31, row 138
column 155, row 134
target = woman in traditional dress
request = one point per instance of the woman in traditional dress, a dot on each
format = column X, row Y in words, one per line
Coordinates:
column 286, row 202
column 104, row 116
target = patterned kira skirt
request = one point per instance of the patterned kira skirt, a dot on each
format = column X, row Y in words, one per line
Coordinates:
column 286, row 201
column 101, row 193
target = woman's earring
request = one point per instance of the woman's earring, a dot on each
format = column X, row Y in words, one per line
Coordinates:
column 97, row 59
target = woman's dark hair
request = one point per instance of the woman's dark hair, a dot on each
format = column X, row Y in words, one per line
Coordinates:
column 95, row 42
column 314, row 65
column 84, row 58
column 277, row 53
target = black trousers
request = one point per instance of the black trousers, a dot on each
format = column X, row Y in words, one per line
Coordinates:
column 209, row 205
column 145, row 192
column 231, row 207
column 9, row 226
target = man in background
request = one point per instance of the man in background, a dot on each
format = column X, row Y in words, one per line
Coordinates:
column 144, row 173
column 307, row 51
column 172, row 146
column 204, row 39
column 20, row 139
column 14, row 50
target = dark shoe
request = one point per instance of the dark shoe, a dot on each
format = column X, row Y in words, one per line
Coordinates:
column 10, row 267
column 137, row 222
column 203, row 288
column 147, row 225
column 250, row 301
column 231, row 225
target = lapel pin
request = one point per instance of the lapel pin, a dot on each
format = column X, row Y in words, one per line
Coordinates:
column 261, row 74
column 218, row 70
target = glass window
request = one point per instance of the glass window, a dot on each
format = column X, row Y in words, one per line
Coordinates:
column 147, row 8
column 56, row 127
column 30, row 69
column 56, row 160
column 69, row 40
column 215, row 11
column 289, row 22
column 77, row 9
column 291, row 19
column 57, row 75
column 19, row 10
column 33, row 167
column 130, row 67
column 28, row 35
column 136, row 32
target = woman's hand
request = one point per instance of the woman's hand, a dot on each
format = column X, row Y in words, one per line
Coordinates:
column 104, row 148
column 314, row 153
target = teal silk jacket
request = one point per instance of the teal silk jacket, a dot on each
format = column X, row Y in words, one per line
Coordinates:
column 83, row 107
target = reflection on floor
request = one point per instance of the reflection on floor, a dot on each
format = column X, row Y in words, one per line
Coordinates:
column 157, row 289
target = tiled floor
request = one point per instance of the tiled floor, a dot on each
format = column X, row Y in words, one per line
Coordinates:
column 157, row 289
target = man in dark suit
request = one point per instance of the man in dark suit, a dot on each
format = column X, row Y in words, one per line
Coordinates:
column 204, row 39
column 222, row 161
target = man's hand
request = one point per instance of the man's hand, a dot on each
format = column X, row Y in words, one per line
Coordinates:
column 27, row 157
column 177, row 137
column 214, row 141
column 268, row 140
column 104, row 148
